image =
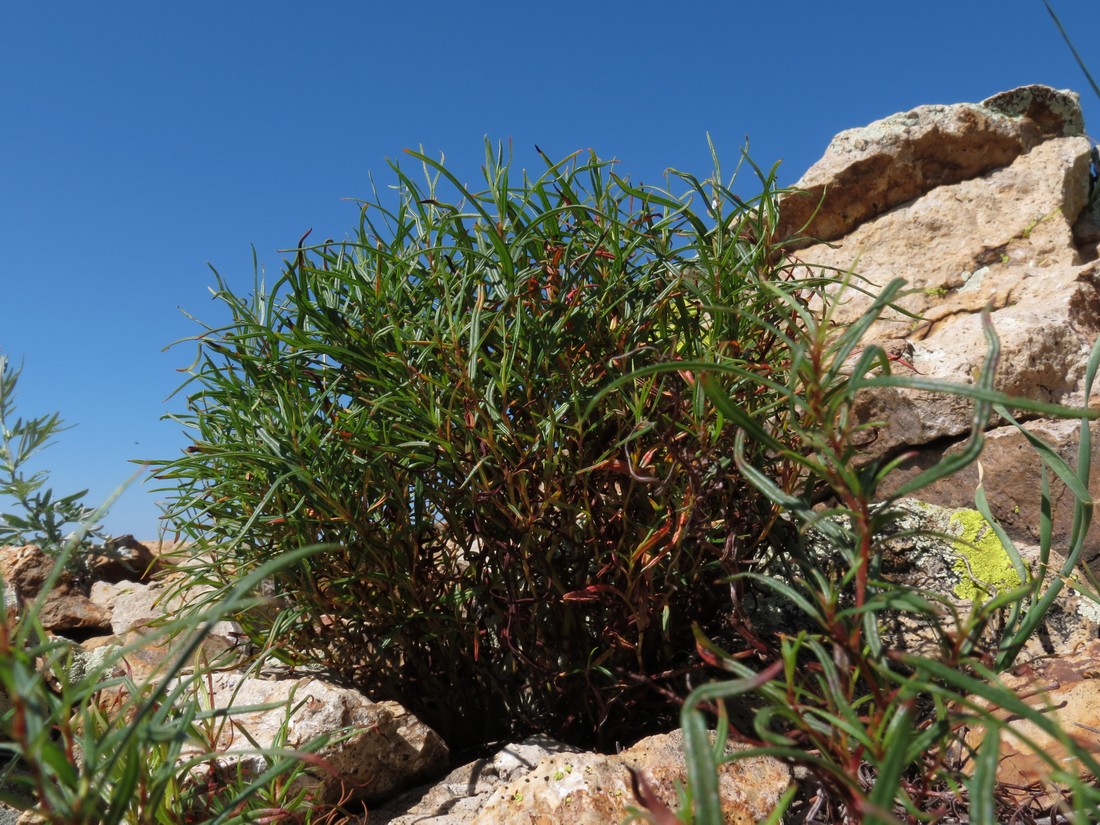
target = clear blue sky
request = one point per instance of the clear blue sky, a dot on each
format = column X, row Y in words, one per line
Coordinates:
column 141, row 141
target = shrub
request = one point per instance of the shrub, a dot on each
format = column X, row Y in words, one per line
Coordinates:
column 417, row 397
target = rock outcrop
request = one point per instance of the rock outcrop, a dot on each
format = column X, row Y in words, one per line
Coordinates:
column 976, row 206
column 540, row 780
column 67, row 609
column 869, row 170
column 1065, row 689
column 379, row 748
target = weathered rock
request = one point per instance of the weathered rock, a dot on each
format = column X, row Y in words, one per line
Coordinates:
column 1012, row 475
column 136, row 609
column 24, row 569
column 134, row 605
column 1009, row 238
column 124, row 559
column 1007, row 233
column 388, row 751
column 1063, row 688
column 1086, row 230
column 1003, row 241
column 67, row 610
column 145, row 653
column 377, row 749
column 457, row 798
column 592, row 789
column 867, row 171
column 955, row 556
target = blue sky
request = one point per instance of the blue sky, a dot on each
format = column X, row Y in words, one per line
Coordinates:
column 141, row 141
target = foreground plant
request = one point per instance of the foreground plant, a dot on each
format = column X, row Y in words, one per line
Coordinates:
column 881, row 730
column 416, row 397
column 86, row 743
column 91, row 745
column 42, row 518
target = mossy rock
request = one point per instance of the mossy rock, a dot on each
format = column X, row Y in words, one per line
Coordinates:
column 983, row 564
column 958, row 546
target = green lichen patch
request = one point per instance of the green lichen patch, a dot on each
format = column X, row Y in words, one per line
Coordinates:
column 983, row 564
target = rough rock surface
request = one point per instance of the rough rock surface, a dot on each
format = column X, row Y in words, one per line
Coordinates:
column 125, row 559
column 869, row 170
column 377, row 750
column 1002, row 241
column 980, row 206
column 457, row 798
column 1065, row 688
column 591, row 789
column 1003, row 227
column 953, row 553
column 387, row 749
column 1012, row 473
column 67, row 609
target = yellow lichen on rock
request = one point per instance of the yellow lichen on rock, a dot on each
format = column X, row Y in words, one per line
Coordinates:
column 983, row 563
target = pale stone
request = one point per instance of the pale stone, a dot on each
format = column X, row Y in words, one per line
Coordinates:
column 954, row 553
column 389, row 748
column 593, row 789
column 1011, row 239
column 1066, row 689
column 1012, row 479
column 868, row 171
column 70, row 613
column 457, row 798
column 25, row 568
column 1002, row 241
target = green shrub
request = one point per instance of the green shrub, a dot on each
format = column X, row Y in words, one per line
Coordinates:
column 417, row 396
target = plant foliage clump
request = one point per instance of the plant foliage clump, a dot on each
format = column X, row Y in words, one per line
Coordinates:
column 82, row 742
column 43, row 519
column 886, row 731
column 524, row 539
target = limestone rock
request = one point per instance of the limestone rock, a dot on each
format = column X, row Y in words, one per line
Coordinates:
column 67, row 610
column 457, row 798
column 1065, row 688
column 376, row 750
column 1013, row 232
column 1003, row 241
column 134, row 604
column 592, row 789
column 867, row 171
column 1009, row 235
column 123, row 559
column 1012, row 481
column 25, row 569
column 135, row 610
column 1086, row 231
column 953, row 554
column 389, row 749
